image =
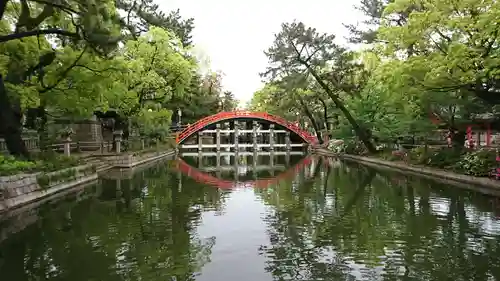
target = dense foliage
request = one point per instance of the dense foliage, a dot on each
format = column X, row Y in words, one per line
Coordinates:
column 420, row 59
column 46, row 162
column 69, row 59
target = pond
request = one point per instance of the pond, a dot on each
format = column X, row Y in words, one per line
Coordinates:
column 286, row 218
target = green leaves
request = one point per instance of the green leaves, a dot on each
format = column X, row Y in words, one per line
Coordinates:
column 455, row 40
column 157, row 68
column 296, row 47
column 90, row 71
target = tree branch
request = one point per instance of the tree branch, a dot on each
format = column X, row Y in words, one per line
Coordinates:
column 58, row 6
column 97, row 70
column 3, row 5
column 64, row 73
column 24, row 16
column 37, row 32
column 33, row 23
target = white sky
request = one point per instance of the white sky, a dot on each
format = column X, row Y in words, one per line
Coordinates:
column 234, row 34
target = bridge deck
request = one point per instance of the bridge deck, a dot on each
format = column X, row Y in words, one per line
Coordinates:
column 243, row 145
column 244, row 131
column 246, row 168
column 243, row 153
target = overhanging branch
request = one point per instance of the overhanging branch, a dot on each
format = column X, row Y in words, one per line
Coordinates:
column 64, row 73
column 37, row 32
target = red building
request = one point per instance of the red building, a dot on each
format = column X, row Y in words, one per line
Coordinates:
column 480, row 131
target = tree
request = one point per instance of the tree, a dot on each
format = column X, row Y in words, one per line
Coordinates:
column 286, row 99
column 389, row 105
column 452, row 58
column 367, row 32
column 93, row 26
column 202, row 98
column 297, row 50
column 141, row 15
column 69, row 64
column 157, row 70
column 455, row 45
column 229, row 102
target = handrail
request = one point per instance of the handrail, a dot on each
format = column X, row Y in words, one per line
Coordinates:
column 200, row 124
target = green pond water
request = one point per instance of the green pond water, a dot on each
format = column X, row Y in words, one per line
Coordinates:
column 304, row 219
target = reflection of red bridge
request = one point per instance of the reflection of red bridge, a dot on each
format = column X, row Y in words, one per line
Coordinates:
column 206, row 178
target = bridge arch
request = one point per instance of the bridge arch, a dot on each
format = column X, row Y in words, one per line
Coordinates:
column 209, row 179
column 224, row 116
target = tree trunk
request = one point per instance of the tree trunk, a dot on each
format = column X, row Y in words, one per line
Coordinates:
column 10, row 124
column 313, row 121
column 325, row 114
column 458, row 139
column 360, row 132
column 42, row 128
column 3, row 6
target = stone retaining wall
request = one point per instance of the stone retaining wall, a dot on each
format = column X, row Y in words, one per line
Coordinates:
column 131, row 160
column 129, row 172
column 23, row 188
column 484, row 185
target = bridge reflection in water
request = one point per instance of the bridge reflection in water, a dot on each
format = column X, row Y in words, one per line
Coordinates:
column 226, row 170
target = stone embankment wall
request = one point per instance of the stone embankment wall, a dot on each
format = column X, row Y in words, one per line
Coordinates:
column 23, row 188
column 132, row 160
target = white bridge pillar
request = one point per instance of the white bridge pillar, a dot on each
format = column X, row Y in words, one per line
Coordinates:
column 254, row 136
column 287, row 141
column 236, row 135
column 271, row 137
column 217, row 136
column 200, row 141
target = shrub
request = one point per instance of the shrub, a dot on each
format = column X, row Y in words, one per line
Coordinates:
column 354, row 147
column 336, row 146
column 444, row 158
column 419, row 155
column 477, row 163
column 45, row 161
column 9, row 165
column 399, row 155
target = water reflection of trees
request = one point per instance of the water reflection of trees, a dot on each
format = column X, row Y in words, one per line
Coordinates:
column 146, row 232
column 366, row 226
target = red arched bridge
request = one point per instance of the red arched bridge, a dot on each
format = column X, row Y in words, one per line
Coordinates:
column 207, row 178
column 201, row 127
